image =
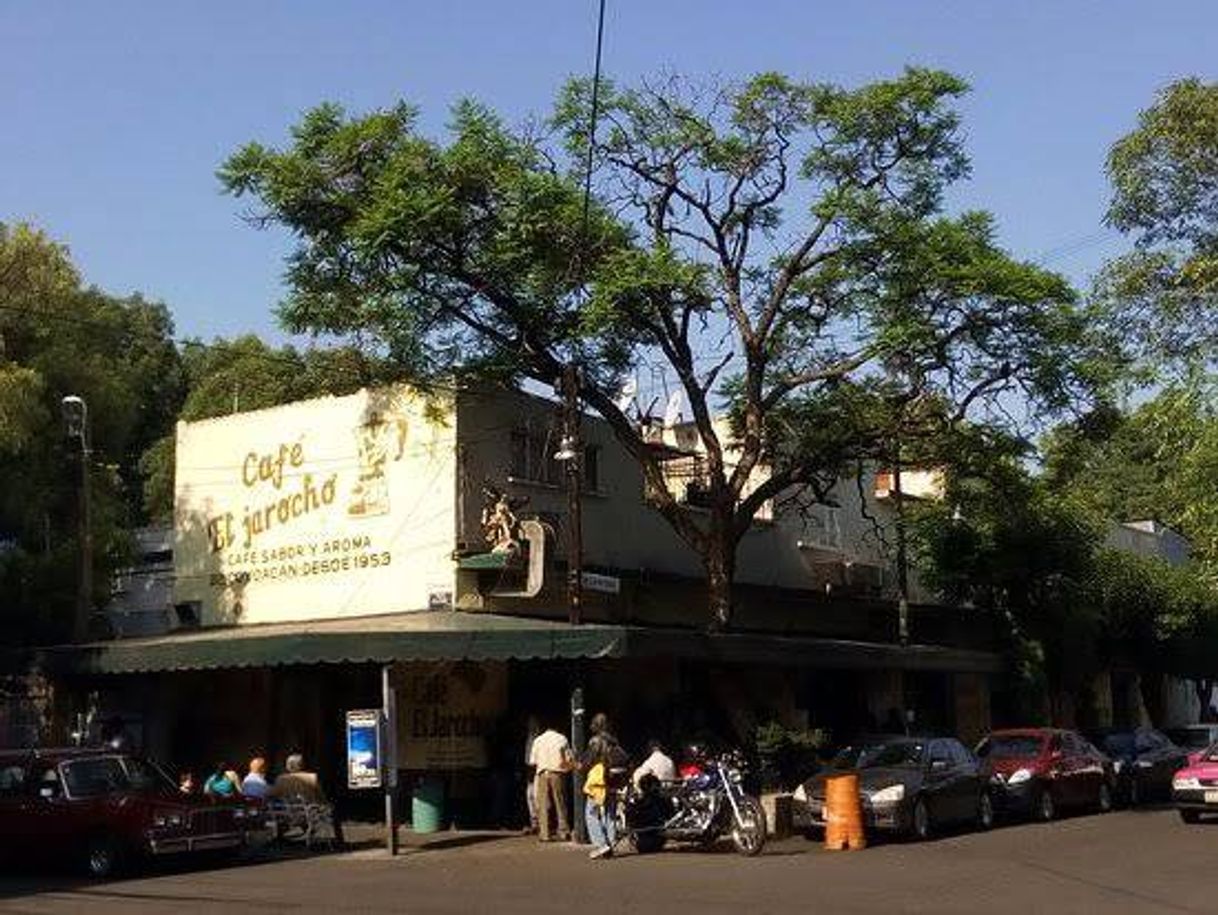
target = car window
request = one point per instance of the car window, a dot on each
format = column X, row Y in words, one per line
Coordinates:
column 1010, row 746
column 960, row 755
column 44, row 780
column 1192, row 738
column 1076, row 744
column 895, row 753
column 144, row 776
column 95, row 777
column 1148, row 741
column 939, row 752
column 12, row 779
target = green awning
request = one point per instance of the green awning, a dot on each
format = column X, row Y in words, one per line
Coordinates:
column 454, row 635
column 420, row 636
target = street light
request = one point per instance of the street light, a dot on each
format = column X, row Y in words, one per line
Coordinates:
column 76, row 424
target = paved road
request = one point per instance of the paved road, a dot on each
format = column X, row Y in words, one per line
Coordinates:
column 1132, row 861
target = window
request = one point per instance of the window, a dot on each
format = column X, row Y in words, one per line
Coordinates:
column 147, row 777
column 939, row 753
column 532, row 458
column 94, row 777
column 960, row 756
column 12, row 779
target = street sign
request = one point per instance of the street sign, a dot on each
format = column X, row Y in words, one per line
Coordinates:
column 605, row 584
column 364, row 748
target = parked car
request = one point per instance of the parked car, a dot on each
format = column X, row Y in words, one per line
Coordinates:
column 108, row 808
column 1194, row 738
column 1038, row 771
column 910, row 785
column 1144, row 762
column 1194, row 788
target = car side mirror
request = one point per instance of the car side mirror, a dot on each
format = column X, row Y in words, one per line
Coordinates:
column 47, row 793
column 938, row 765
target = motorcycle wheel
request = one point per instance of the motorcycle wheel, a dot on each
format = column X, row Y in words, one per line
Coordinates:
column 646, row 843
column 749, row 839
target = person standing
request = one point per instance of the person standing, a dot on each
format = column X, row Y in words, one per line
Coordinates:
column 552, row 759
column 605, row 764
column 530, row 773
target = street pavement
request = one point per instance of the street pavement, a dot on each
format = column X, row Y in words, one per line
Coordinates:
column 1144, row 861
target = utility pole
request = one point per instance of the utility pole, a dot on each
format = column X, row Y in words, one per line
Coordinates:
column 898, row 496
column 572, row 455
column 76, row 419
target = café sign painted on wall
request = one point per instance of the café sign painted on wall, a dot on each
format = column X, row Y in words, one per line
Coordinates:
column 323, row 508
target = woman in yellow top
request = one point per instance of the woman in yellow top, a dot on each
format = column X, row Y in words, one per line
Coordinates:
column 601, row 756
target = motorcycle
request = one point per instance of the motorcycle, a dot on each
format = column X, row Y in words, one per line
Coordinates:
column 700, row 809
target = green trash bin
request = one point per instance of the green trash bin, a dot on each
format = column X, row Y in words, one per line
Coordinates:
column 427, row 805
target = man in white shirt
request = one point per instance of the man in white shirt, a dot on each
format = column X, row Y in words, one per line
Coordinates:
column 552, row 759
column 657, row 764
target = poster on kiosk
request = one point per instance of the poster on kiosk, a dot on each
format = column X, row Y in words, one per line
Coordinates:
column 364, row 748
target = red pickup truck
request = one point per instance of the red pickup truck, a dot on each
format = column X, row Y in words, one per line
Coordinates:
column 108, row 808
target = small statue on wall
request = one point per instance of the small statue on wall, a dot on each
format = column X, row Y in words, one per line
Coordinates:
column 500, row 526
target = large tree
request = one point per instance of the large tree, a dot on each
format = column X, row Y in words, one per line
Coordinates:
column 779, row 246
column 1164, row 175
column 59, row 337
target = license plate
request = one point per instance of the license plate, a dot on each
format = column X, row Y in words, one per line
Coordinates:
column 1211, row 797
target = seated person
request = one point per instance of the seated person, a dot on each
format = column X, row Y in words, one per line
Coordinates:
column 254, row 784
column 297, row 782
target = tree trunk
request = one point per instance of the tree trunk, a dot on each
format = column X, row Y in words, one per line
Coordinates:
column 720, row 561
column 1204, row 688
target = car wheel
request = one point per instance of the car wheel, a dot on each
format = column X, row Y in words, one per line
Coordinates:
column 922, row 827
column 1103, row 801
column 1135, row 791
column 103, row 855
column 1045, row 807
column 1190, row 816
column 985, row 812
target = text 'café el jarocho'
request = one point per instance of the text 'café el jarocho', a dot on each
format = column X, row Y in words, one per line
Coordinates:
column 320, row 545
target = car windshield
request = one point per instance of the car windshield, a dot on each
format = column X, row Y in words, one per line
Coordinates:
column 147, row 776
column 866, row 756
column 1118, row 744
column 1010, row 746
column 1192, row 738
column 95, row 777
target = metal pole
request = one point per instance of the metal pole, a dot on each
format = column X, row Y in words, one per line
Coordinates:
column 575, row 471
column 902, row 557
column 579, row 825
column 389, row 763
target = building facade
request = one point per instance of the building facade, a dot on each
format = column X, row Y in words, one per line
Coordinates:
column 318, row 544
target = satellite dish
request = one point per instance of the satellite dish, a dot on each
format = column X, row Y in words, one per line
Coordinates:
column 672, row 410
column 626, row 394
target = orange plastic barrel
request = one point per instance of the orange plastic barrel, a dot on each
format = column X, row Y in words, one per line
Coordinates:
column 843, row 814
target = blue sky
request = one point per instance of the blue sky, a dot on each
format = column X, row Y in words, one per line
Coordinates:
column 116, row 114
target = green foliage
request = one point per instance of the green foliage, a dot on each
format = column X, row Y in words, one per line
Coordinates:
column 60, row 338
column 788, row 756
column 779, row 245
column 1164, row 176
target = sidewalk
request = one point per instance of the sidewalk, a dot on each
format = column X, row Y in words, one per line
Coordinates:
column 369, row 838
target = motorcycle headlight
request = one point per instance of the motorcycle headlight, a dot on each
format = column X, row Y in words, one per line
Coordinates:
column 1019, row 776
column 889, row 795
column 1185, row 784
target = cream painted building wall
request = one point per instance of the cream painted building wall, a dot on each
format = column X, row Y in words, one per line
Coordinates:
column 340, row 506
column 793, row 550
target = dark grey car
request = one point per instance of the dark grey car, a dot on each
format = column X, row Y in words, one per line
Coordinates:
column 910, row 785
